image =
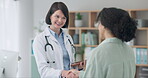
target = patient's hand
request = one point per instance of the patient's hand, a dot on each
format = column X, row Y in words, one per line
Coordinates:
column 75, row 73
column 65, row 73
column 71, row 75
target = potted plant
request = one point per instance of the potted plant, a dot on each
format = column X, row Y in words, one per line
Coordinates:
column 78, row 21
column 79, row 54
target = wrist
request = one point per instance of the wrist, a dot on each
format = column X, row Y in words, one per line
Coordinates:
column 76, row 73
column 62, row 72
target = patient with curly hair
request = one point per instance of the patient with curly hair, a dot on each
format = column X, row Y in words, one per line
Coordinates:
column 112, row 58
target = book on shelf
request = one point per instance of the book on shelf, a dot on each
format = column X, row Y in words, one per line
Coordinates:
column 141, row 55
column 142, row 72
column 95, row 41
column 89, row 38
column 83, row 38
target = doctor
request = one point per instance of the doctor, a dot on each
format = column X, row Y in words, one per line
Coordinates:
column 53, row 48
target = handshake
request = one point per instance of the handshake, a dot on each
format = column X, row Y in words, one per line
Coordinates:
column 73, row 73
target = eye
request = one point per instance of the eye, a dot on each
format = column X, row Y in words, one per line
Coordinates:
column 63, row 17
column 57, row 16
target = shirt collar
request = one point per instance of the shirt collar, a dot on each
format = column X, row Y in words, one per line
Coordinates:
column 113, row 40
column 55, row 34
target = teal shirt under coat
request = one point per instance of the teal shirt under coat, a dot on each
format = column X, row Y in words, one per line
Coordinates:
column 111, row 59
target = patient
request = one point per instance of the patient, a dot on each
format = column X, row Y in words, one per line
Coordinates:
column 113, row 58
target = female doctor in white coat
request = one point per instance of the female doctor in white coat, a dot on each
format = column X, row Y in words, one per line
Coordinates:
column 53, row 48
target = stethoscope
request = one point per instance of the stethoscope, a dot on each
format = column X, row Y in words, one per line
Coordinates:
column 48, row 44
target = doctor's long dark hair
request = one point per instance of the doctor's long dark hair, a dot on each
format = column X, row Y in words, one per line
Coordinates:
column 118, row 21
column 58, row 6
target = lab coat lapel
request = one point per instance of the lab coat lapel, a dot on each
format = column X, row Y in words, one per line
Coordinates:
column 50, row 35
column 68, row 47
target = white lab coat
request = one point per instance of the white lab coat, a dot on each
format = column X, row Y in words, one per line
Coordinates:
column 51, row 70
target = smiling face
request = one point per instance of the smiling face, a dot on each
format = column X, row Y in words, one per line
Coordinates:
column 58, row 20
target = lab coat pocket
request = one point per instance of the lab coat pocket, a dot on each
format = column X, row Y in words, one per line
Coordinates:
column 50, row 57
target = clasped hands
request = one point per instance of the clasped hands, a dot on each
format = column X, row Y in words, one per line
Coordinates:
column 73, row 73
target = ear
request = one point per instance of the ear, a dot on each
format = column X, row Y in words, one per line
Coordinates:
column 101, row 26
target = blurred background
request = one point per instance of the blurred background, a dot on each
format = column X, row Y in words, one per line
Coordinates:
column 21, row 20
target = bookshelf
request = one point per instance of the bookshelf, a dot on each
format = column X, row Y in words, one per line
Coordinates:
column 143, row 65
column 141, row 42
column 89, row 17
column 88, row 25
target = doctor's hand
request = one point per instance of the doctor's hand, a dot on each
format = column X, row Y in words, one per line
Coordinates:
column 65, row 73
column 71, row 75
column 75, row 73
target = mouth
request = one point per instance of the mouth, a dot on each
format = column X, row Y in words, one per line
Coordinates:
column 59, row 24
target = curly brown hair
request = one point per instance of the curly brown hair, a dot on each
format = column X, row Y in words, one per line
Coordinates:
column 118, row 21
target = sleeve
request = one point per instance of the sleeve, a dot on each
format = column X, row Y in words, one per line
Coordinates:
column 41, row 59
column 93, row 67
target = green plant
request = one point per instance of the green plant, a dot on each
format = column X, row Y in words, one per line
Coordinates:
column 81, row 50
column 79, row 16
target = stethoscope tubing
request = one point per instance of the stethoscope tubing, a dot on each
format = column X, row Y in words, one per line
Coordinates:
column 52, row 46
column 47, row 43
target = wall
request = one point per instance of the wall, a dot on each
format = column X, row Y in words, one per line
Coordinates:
column 9, row 30
column 25, row 30
column 42, row 6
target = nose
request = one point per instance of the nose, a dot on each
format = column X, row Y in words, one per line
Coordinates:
column 60, row 20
